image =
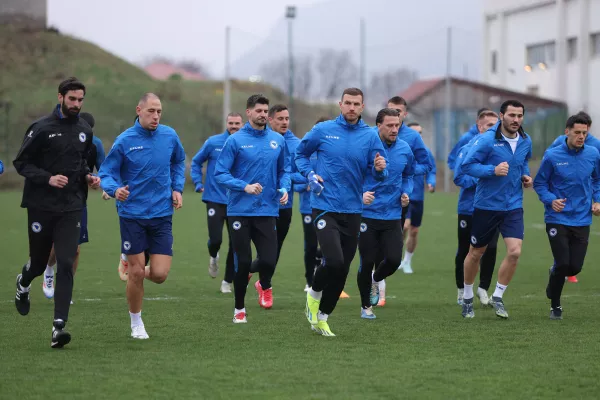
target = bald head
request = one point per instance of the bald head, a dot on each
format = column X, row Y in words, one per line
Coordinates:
column 149, row 111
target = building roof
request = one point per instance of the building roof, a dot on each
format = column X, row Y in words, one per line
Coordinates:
column 164, row 71
column 422, row 88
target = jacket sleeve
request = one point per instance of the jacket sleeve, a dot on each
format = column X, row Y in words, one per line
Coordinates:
column 473, row 164
column 178, row 167
column 299, row 187
column 460, row 178
column 377, row 147
column 541, row 183
column 223, row 168
column 199, row 159
column 295, row 176
column 284, row 167
column 527, row 157
column 557, row 142
column 308, row 145
column 110, row 171
column 453, row 154
column 408, row 174
column 596, row 180
column 431, row 178
column 100, row 154
column 24, row 163
column 422, row 156
column 1, row 167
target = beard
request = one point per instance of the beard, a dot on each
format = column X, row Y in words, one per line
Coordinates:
column 262, row 122
column 69, row 112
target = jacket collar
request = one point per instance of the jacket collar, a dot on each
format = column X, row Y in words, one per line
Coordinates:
column 342, row 121
column 138, row 127
column 255, row 132
column 565, row 146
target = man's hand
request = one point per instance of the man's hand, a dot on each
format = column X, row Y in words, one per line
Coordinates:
column 177, row 200
column 430, row 188
column 559, row 204
column 379, row 163
column 58, row 181
column 122, row 193
column 404, row 200
column 284, row 198
column 93, row 181
column 200, row 188
column 255, row 188
column 527, row 181
column 315, row 183
column 501, row 169
column 368, row 197
column 105, row 196
column 596, row 209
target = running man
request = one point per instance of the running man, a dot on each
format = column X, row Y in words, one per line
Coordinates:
column 254, row 167
column 144, row 171
column 380, row 241
column 568, row 183
column 486, row 120
column 96, row 159
column 215, row 197
column 53, row 160
column 499, row 158
column 347, row 150
column 416, row 207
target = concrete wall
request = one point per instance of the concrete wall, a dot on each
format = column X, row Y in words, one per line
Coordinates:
column 36, row 11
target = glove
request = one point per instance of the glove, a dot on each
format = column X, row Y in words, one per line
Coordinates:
column 314, row 184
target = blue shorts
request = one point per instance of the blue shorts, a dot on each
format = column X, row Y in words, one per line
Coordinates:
column 486, row 222
column 154, row 235
column 415, row 213
column 83, row 233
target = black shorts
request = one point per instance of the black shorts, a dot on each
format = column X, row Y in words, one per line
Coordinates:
column 83, row 233
column 415, row 213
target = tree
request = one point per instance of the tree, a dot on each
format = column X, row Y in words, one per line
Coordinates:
column 389, row 83
column 277, row 74
column 336, row 70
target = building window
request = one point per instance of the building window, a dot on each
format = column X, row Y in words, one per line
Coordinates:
column 533, row 90
column 571, row 49
column 541, row 55
column 595, row 44
column 494, row 61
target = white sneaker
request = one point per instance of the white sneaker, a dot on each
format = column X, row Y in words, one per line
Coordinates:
column 381, row 302
column 307, row 288
column 213, row 266
column 483, row 297
column 48, row 284
column 406, row 267
column 460, row 297
column 240, row 318
column 139, row 332
column 225, row 287
column 71, row 302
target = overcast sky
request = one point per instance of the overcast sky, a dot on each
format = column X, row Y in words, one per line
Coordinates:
column 188, row 29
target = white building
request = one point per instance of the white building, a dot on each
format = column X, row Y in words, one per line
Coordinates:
column 549, row 48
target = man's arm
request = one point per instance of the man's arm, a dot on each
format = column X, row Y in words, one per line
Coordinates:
column 100, row 154
column 473, row 164
column 460, row 178
column 419, row 149
column 527, row 157
column 596, row 180
column 24, row 163
column 110, row 171
column 178, row 166
column 199, row 159
column 225, row 161
column 431, row 177
column 407, row 175
column 541, row 183
column 283, row 169
column 377, row 148
column 308, row 145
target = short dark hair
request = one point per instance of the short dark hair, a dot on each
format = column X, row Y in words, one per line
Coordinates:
column 586, row 115
column 413, row 124
column 513, row 103
column 256, row 99
column 354, row 92
column 397, row 100
column 71, row 83
column 322, row 119
column 277, row 108
column 577, row 119
column 234, row 114
column 89, row 118
column 386, row 112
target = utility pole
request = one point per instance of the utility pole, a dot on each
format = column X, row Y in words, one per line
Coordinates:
column 290, row 14
column 226, row 80
column 448, row 99
column 363, row 57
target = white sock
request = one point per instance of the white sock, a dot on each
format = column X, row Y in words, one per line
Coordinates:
column 236, row 311
column 49, row 270
column 382, row 284
column 373, row 277
column 407, row 257
column 136, row 319
column 499, row 290
column 123, row 257
column 322, row 317
column 315, row 295
column 468, row 292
